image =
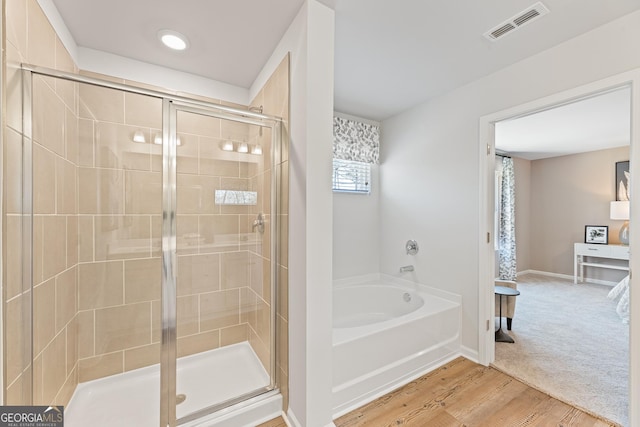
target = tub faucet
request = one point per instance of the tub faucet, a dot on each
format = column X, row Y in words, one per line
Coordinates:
column 406, row 268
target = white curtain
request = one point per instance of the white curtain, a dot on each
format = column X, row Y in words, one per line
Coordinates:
column 507, row 228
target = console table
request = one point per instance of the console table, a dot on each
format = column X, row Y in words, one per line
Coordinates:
column 582, row 250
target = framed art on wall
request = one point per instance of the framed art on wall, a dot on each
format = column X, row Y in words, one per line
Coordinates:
column 598, row 234
column 622, row 180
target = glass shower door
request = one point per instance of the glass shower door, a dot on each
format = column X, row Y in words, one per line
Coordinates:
column 224, row 312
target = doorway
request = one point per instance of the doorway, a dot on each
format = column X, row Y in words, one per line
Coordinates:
column 487, row 150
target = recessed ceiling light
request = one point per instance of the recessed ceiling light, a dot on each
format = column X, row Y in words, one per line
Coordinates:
column 173, row 39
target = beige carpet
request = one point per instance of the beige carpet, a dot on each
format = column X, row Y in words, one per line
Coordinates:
column 571, row 344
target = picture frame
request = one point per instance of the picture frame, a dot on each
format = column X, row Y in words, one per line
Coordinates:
column 622, row 181
column 596, row 234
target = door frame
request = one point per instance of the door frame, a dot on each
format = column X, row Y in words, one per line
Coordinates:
column 486, row 146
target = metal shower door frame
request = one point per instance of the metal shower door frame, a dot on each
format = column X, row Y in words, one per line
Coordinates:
column 171, row 104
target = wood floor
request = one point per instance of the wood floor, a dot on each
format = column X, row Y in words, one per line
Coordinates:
column 463, row 393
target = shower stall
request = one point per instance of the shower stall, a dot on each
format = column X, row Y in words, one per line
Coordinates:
column 149, row 243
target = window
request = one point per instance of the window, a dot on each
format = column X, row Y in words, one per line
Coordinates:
column 352, row 177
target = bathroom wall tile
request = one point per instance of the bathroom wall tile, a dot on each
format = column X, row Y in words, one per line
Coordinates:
column 64, row 62
column 156, row 322
column 72, row 241
column 283, row 168
column 72, row 345
column 219, row 309
column 101, row 76
column 54, row 245
column 235, row 269
column 86, row 147
column 44, row 320
column 38, row 245
column 13, row 256
column 100, row 103
column 86, row 336
column 122, row 327
column 265, row 327
column 68, row 388
column 156, row 236
column 122, row 237
column 233, row 130
column 249, row 307
column 283, row 382
column 196, row 194
column 41, row 40
column 100, row 191
column 282, row 338
column 139, row 357
column 156, row 152
column 44, row 180
column 100, row 366
column 54, row 368
column 260, row 349
column 16, row 23
column 142, row 280
column 12, row 176
column 187, row 154
column 198, row 274
column 71, row 136
column 283, row 292
column 198, row 343
column 15, row 392
column 14, row 333
column 213, row 161
column 115, row 147
column 100, row 285
column 66, row 286
column 85, row 238
column 283, row 226
column 48, row 115
column 256, row 269
column 143, row 111
column 187, row 309
column 188, row 236
column 66, row 181
column 220, row 233
column 234, row 335
column 37, row 380
column 13, row 86
column 143, row 192
column 198, row 125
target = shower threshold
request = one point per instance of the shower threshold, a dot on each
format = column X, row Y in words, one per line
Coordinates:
column 133, row 398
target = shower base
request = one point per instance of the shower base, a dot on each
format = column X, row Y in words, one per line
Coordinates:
column 208, row 378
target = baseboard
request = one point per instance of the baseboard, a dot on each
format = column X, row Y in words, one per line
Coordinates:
column 470, row 354
column 291, row 420
column 567, row 277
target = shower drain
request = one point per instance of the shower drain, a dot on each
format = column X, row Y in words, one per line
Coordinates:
column 180, row 398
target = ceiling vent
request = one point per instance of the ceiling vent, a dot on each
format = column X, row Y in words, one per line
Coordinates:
column 526, row 16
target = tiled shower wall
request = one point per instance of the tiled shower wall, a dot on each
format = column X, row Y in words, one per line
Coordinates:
column 30, row 39
column 97, row 228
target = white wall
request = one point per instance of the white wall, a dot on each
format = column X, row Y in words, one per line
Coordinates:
column 356, row 225
column 310, row 41
column 356, row 231
column 429, row 173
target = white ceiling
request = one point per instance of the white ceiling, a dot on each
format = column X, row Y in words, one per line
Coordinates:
column 390, row 55
column 596, row 123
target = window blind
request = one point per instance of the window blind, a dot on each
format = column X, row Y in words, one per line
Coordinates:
column 351, row 176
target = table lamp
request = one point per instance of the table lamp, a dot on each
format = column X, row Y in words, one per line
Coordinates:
column 620, row 211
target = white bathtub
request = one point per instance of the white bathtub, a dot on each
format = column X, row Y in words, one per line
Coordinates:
column 387, row 332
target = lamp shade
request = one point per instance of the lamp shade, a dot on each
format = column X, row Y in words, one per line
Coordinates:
column 619, row 210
